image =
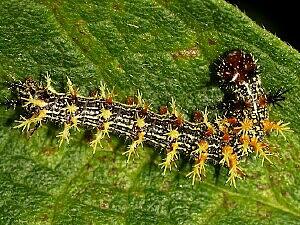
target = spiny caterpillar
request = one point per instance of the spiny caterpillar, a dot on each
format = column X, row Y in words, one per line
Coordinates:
column 238, row 132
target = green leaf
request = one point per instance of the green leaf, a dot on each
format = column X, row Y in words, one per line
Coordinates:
column 164, row 49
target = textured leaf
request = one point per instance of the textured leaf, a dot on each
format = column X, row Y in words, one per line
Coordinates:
column 164, row 49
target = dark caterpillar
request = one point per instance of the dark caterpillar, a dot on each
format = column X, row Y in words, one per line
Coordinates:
column 239, row 131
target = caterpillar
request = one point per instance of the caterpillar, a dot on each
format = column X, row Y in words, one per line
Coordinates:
column 239, row 130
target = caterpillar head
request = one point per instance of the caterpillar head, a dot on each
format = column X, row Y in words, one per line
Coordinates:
column 235, row 69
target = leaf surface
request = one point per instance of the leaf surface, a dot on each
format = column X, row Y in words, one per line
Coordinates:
column 164, row 49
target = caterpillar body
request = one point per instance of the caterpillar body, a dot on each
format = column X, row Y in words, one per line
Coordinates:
column 238, row 131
